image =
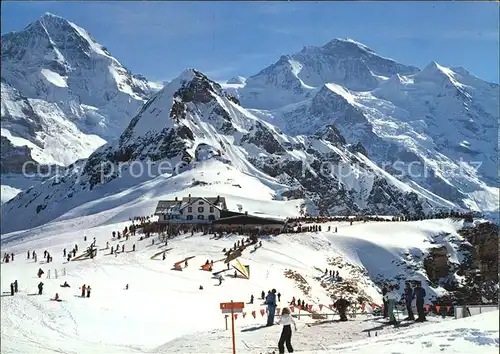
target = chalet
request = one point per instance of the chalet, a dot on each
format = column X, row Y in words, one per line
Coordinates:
column 191, row 210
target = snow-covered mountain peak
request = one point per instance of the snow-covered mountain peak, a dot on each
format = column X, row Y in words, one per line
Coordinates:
column 347, row 47
column 295, row 77
column 239, row 80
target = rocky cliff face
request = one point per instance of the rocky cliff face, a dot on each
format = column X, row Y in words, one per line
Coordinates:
column 474, row 279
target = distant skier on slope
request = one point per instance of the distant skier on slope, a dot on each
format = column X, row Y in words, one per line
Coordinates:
column 286, row 321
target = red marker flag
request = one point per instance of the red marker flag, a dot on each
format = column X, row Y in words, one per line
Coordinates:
column 300, row 307
column 438, row 308
column 310, row 307
column 373, row 306
column 235, row 316
column 292, row 308
column 262, row 312
column 363, row 307
column 320, row 307
column 331, row 306
column 426, row 308
column 448, row 308
column 253, row 314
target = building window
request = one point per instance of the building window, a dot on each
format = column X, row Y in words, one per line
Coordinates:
column 211, row 217
column 190, row 209
column 201, row 217
column 200, row 203
column 164, row 217
column 189, row 217
column 200, row 209
column 211, row 209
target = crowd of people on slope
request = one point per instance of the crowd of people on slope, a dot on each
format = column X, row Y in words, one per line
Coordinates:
column 307, row 219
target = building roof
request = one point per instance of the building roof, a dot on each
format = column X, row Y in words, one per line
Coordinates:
column 218, row 202
column 165, row 206
column 247, row 220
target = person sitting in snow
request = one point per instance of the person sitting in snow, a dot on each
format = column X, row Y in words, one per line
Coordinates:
column 65, row 285
column 341, row 305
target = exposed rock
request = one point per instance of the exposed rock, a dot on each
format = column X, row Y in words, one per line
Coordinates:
column 436, row 264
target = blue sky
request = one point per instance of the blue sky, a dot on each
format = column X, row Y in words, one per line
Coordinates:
column 224, row 39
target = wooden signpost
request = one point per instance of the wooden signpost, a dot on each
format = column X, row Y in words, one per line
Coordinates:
column 232, row 308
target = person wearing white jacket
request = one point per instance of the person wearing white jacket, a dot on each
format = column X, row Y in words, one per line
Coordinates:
column 286, row 334
column 392, row 297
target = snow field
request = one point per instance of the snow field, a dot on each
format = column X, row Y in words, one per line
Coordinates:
column 163, row 305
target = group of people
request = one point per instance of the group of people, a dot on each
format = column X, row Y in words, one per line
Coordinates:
column 332, row 274
column 8, row 257
column 391, row 297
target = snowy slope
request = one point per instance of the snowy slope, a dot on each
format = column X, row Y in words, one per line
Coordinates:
column 63, row 94
column 194, row 120
column 161, row 310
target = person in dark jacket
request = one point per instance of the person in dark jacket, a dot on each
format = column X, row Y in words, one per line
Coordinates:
column 11, row 289
column 40, row 288
column 419, row 294
column 16, row 288
column 341, row 305
column 262, row 295
column 384, row 292
column 271, row 307
column 408, row 296
column 88, row 290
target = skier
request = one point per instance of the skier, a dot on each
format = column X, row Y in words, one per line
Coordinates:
column 384, row 292
column 28, row 254
column 126, row 287
column 262, row 295
column 12, row 256
column 286, row 334
column 279, row 297
column 408, row 297
column 16, row 289
column 235, row 274
column 64, row 253
column 251, row 299
column 56, row 297
column 40, row 272
column 88, row 290
column 123, row 248
column 40, row 288
column 419, row 294
column 11, row 289
column 391, row 298
column 107, row 244
column 83, row 290
column 164, row 256
column 133, row 247
column 271, row 307
column 220, row 279
column 185, row 263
